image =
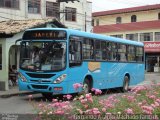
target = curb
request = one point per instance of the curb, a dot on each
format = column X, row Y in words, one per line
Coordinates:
column 7, row 95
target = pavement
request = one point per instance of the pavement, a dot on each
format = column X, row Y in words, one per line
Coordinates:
column 14, row 91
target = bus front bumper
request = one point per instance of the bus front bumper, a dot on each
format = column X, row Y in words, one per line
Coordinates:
column 42, row 88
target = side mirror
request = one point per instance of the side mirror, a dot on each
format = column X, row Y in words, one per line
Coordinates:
column 19, row 40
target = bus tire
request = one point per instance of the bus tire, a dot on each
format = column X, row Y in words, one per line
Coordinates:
column 125, row 84
column 86, row 86
column 47, row 95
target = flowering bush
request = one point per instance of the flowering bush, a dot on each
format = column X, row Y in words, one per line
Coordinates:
column 139, row 100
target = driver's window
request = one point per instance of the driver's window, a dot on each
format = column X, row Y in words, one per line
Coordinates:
column 75, row 56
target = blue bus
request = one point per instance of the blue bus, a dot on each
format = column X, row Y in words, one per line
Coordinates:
column 53, row 59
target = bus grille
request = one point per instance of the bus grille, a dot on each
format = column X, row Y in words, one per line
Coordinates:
column 40, row 86
column 33, row 75
column 45, row 81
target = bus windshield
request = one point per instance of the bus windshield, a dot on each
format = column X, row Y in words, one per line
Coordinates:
column 43, row 56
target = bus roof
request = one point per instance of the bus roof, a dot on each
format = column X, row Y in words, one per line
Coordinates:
column 93, row 35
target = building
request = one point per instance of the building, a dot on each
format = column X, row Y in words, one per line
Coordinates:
column 77, row 15
column 10, row 32
column 137, row 23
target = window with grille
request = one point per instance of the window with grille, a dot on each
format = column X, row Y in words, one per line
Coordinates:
column 70, row 14
column 132, row 36
column 10, row 4
column 52, row 9
column 34, row 6
column 146, row 37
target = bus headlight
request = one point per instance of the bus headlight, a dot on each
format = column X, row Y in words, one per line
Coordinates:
column 60, row 78
column 22, row 77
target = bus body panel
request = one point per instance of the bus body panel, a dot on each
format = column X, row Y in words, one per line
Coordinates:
column 105, row 74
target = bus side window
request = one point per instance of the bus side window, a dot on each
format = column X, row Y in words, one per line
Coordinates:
column 75, row 53
column 114, row 52
column 98, row 50
column 131, row 53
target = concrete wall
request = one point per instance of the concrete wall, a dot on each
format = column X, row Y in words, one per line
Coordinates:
column 6, row 45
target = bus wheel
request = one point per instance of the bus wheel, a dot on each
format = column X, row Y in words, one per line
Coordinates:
column 86, row 86
column 125, row 84
column 47, row 95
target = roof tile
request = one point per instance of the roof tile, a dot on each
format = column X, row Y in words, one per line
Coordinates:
column 126, row 10
column 15, row 26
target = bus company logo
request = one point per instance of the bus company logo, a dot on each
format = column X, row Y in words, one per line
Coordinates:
column 39, row 81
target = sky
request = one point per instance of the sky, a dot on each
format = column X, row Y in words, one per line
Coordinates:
column 104, row 5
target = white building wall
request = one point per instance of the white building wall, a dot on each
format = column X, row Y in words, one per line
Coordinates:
column 6, row 13
column 84, row 13
column 22, row 13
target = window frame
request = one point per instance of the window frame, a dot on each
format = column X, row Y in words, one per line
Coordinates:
column 133, row 18
column 158, row 16
column 33, row 4
column 13, row 4
column 133, row 35
column 119, row 20
column 51, row 7
column 157, row 35
column 75, row 63
column 70, row 14
column 146, row 36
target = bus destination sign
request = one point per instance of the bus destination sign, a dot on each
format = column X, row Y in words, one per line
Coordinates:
column 45, row 35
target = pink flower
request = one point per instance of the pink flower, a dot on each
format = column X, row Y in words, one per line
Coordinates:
column 158, row 100
column 131, row 98
column 98, row 92
column 93, row 89
column 153, row 105
column 137, row 89
column 103, row 109
column 59, row 112
column 81, row 97
column 88, row 95
column 147, row 109
column 95, row 111
column 129, row 111
column 68, row 96
column 156, row 104
column 54, row 100
column 40, row 105
column 86, row 106
column 151, row 96
column 83, row 101
column 77, row 85
column 108, row 113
